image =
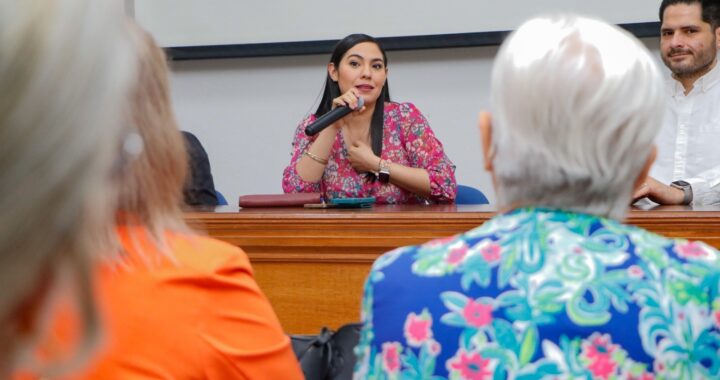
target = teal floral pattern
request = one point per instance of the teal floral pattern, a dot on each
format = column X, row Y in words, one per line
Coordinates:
column 544, row 294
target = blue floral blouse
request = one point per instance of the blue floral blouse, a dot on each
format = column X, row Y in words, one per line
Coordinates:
column 544, row 294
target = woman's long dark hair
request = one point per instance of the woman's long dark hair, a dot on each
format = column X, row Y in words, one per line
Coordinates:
column 332, row 90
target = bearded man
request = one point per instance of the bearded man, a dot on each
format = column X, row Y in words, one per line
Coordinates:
column 687, row 169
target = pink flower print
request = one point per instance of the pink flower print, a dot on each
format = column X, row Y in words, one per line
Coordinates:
column 715, row 312
column 636, row 271
column 391, row 357
column 599, row 345
column 690, row 249
column 471, row 366
column 599, row 351
column 491, row 252
column 441, row 241
column 477, row 314
column 435, row 348
column 644, row 376
column 602, row 368
column 659, row 366
column 456, row 255
column 418, row 328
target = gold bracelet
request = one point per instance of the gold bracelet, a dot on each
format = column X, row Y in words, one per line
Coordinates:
column 315, row 158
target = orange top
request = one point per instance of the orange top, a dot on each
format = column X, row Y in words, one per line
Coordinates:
column 200, row 317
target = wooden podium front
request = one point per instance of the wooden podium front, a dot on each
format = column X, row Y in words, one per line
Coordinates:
column 312, row 263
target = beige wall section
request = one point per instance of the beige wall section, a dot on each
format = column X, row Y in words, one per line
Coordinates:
column 130, row 7
column 221, row 22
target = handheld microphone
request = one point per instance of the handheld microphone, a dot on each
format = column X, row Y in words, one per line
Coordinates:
column 326, row 120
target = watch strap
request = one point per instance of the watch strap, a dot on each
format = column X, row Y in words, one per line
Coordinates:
column 686, row 187
column 384, row 171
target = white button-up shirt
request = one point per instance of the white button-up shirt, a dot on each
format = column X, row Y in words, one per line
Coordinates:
column 687, row 141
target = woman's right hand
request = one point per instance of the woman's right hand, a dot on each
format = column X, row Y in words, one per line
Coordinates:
column 348, row 99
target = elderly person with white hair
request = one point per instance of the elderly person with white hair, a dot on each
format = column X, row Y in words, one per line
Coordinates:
column 555, row 285
column 65, row 73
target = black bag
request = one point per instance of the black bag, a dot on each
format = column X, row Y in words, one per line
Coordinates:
column 329, row 355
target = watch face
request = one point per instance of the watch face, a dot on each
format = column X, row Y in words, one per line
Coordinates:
column 384, row 176
column 686, row 189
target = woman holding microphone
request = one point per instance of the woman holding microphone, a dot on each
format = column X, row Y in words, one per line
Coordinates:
column 381, row 149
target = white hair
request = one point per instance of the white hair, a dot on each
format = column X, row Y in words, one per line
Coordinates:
column 576, row 105
column 65, row 71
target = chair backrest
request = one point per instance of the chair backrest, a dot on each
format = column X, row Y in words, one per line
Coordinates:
column 221, row 201
column 467, row 195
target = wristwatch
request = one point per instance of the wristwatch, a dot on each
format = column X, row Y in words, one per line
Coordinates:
column 686, row 188
column 384, row 172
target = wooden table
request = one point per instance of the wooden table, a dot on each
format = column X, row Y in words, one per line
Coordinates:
column 312, row 263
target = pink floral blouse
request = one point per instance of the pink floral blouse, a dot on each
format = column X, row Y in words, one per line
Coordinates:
column 407, row 140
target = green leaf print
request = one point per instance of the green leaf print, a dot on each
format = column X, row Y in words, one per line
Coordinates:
column 547, row 297
column 528, row 345
column 508, row 265
column 454, row 301
column 685, row 292
column 504, row 334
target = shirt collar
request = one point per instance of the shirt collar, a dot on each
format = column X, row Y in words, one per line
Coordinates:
column 703, row 84
column 547, row 212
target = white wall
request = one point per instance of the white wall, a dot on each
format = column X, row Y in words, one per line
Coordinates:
column 245, row 111
column 220, row 22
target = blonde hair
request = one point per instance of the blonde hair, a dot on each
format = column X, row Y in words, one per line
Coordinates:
column 64, row 69
column 151, row 188
column 576, row 106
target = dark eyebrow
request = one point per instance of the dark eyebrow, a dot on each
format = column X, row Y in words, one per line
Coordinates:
column 681, row 27
column 363, row 58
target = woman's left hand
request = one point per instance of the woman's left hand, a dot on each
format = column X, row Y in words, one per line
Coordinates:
column 362, row 158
